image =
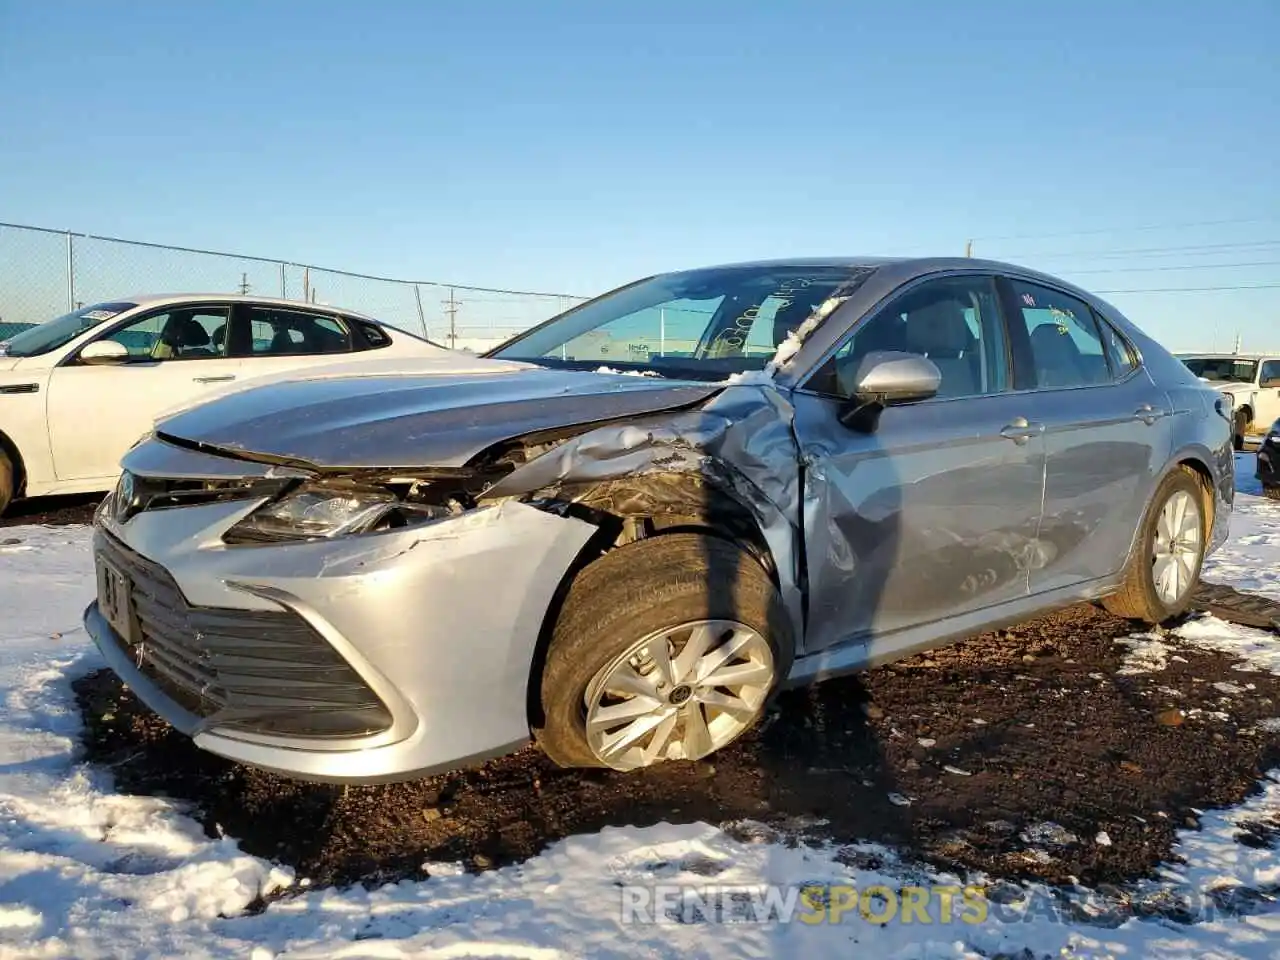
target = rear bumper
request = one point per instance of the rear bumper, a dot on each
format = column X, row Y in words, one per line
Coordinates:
column 441, row 623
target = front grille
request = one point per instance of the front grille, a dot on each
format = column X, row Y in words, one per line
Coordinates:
column 265, row 672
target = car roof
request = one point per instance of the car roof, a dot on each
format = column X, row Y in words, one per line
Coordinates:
column 908, row 268
column 169, row 299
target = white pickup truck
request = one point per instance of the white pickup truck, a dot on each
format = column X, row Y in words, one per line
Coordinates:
column 1252, row 380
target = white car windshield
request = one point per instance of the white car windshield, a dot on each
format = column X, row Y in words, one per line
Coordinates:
column 1223, row 369
column 697, row 324
column 53, row 334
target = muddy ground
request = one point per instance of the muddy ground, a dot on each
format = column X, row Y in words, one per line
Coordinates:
column 949, row 757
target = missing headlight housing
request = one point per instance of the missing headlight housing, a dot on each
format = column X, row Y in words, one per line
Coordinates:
column 325, row 510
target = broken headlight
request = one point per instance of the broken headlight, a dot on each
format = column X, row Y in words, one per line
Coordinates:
column 322, row 512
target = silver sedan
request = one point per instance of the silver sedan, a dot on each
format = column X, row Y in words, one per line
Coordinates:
column 622, row 532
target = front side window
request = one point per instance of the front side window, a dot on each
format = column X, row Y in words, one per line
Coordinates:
column 276, row 333
column 179, row 333
column 49, row 336
column 1065, row 343
column 954, row 322
column 698, row 324
column 1222, row 369
column 1270, row 373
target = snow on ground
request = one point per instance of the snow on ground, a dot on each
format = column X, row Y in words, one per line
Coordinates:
column 88, row 873
column 1247, row 562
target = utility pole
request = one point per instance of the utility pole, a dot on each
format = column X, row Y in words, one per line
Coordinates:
column 451, row 308
column 244, row 283
column 1237, row 350
column 968, row 248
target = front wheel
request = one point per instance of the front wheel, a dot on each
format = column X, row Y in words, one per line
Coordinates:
column 665, row 649
column 1240, row 425
column 1167, row 557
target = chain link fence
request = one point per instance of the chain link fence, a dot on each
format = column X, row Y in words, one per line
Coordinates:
column 45, row 273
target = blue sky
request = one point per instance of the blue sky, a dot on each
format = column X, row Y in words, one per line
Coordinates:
column 574, row 146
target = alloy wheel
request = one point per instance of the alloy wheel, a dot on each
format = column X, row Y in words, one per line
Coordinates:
column 1176, row 549
column 678, row 694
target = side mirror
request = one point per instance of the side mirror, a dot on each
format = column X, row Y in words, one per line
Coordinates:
column 104, row 352
column 887, row 379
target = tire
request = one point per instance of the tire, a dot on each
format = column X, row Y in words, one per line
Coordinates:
column 1271, row 493
column 1240, row 425
column 6, row 482
column 627, row 597
column 1139, row 597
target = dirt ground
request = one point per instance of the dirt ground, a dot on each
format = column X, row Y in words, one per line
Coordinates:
column 1009, row 753
column 54, row 511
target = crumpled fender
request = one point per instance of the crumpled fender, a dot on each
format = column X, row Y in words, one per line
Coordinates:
column 741, row 441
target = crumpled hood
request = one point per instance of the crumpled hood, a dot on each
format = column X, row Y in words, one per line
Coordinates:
column 409, row 418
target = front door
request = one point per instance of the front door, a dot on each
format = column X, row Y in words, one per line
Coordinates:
column 96, row 412
column 1107, row 432
column 1268, row 396
column 935, row 513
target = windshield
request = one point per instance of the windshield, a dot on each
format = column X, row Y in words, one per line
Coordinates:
column 1223, row 369
column 698, row 324
column 53, row 334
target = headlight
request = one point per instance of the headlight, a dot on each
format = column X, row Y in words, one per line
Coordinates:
column 319, row 511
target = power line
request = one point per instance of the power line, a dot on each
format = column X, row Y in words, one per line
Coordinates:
column 1183, row 266
column 1153, row 226
column 1243, row 286
column 1152, row 251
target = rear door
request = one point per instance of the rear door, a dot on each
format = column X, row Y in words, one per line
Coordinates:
column 1107, row 431
column 96, row 412
column 935, row 513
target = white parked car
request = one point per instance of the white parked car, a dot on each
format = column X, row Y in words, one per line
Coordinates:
column 78, row 391
column 1251, row 380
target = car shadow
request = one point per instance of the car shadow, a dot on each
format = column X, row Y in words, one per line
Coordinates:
column 61, row 510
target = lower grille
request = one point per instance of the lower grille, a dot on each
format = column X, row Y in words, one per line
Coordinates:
column 265, row 672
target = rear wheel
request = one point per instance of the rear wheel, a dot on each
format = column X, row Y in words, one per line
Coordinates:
column 1240, row 426
column 1165, row 566
column 6, row 482
column 665, row 649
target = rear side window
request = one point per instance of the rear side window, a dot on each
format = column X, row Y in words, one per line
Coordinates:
column 374, row 335
column 274, row 332
column 1063, row 337
column 1120, row 353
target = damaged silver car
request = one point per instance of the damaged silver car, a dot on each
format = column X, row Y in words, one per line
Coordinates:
column 623, row 531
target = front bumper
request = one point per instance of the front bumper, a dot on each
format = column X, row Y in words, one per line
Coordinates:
column 438, row 624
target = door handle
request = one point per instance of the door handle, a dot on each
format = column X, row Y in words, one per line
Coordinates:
column 1020, row 431
column 1149, row 414
column 222, row 379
